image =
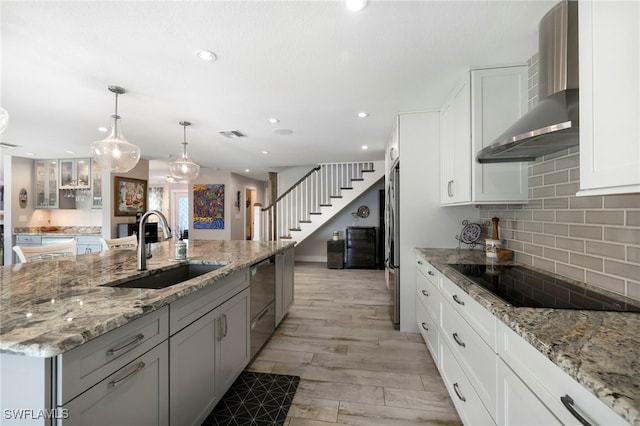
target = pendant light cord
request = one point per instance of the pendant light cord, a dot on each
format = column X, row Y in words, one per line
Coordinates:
column 115, row 124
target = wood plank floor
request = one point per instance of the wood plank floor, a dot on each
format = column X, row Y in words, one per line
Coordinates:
column 355, row 368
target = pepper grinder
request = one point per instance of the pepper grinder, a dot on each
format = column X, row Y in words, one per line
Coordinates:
column 494, row 233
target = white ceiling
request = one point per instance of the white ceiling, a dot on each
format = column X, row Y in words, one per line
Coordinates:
column 312, row 64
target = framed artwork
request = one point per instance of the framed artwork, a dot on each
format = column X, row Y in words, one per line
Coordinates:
column 130, row 196
column 208, row 206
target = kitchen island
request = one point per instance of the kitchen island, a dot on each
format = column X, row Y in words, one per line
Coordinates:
column 600, row 350
column 51, row 310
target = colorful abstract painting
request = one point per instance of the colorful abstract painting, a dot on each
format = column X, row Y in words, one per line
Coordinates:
column 208, row 206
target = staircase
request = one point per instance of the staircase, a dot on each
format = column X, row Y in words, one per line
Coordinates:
column 317, row 197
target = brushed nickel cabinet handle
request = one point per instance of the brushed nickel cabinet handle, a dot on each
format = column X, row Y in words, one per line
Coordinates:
column 424, row 325
column 138, row 338
column 450, row 188
column 424, row 292
column 115, row 383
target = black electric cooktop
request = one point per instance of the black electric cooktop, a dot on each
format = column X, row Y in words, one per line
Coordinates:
column 524, row 287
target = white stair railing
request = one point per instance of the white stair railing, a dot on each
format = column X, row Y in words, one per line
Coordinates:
column 307, row 196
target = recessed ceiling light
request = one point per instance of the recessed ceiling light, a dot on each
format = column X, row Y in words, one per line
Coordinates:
column 283, row 131
column 103, row 129
column 365, row 147
column 247, row 170
column 273, row 120
column 206, row 55
column 265, row 152
column 355, row 5
column 363, row 114
column 70, row 152
column 30, row 154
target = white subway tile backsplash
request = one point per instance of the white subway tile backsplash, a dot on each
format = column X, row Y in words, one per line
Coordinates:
column 533, row 249
column 542, row 192
column 556, row 229
column 524, row 215
column 574, row 175
column 633, row 289
column 570, row 271
column 568, row 162
column 542, row 168
column 544, row 215
column 543, row 263
column 535, row 181
column 543, row 240
column 533, row 226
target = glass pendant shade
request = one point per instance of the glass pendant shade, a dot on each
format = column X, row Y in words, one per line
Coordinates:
column 184, row 170
column 114, row 153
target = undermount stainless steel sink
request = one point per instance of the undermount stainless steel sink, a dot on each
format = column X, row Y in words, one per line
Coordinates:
column 169, row 277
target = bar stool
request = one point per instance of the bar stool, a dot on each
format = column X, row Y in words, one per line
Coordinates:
column 29, row 254
column 124, row 243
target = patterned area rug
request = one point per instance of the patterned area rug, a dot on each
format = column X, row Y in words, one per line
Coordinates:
column 255, row 399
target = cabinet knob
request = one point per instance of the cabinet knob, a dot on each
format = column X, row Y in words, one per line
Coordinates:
column 420, row 262
column 430, row 272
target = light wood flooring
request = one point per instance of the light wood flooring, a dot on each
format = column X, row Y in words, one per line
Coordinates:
column 355, row 368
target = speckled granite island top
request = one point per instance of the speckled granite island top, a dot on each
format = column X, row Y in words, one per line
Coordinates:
column 600, row 350
column 51, row 306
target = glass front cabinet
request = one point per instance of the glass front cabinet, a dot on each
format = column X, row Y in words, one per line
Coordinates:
column 46, row 184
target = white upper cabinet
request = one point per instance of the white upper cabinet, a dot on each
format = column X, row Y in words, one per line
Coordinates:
column 486, row 104
column 609, row 57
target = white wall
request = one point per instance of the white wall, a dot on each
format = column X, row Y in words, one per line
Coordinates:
column 109, row 220
column 289, row 176
column 240, row 183
column 423, row 223
column 314, row 248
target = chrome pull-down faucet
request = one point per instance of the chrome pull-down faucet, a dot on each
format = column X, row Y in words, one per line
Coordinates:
column 142, row 256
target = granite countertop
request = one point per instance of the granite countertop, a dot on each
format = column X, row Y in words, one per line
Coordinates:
column 51, row 306
column 57, row 230
column 600, row 350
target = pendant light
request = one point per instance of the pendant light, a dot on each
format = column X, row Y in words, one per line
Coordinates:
column 184, row 170
column 114, row 153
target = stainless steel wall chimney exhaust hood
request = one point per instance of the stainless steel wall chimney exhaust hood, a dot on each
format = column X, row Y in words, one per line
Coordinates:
column 553, row 124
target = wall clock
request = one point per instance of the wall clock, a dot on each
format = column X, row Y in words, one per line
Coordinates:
column 363, row 211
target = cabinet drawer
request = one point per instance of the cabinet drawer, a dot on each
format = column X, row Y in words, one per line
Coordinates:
column 91, row 362
column 480, row 319
column 188, row 309
column 428, row 329
column 477, row 360
column 549, row 383
column 427, row 270
column 467, row 402
column 137, row 394
column 88, row 239
column 428, row 294
column 28, row 240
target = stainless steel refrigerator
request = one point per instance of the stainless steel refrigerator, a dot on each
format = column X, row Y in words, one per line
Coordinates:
column 392, row 233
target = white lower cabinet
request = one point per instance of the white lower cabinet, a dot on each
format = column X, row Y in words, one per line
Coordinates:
column 492, row 374
column 206, row 357
column 519, row 406
column 137, row 394
column 467, row 402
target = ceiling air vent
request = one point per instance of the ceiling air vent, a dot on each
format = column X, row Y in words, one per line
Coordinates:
column 232, row 134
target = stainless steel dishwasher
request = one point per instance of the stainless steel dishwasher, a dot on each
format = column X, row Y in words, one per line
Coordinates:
column 263, row 290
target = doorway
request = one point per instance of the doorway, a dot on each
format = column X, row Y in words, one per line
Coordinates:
column 180, row 213
column 250, row 200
